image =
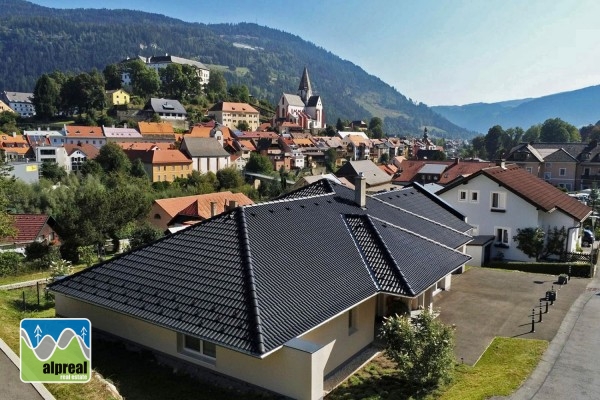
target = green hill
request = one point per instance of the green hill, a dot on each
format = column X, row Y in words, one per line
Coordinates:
column 36, row 40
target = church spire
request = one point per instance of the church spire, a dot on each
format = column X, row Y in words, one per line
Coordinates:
column 304, row 89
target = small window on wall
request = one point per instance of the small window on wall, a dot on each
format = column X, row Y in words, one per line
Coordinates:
column 502, row 237
column 562, row 172
column 498, row 201
column 474, row 196
column 199, row 348
column 462, row 195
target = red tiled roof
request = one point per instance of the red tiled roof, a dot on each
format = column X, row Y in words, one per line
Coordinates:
column 462, row 169
column 28, row 227
column 537, row 191
column 84, row 131
column 89, row 150
column 176, row 205
column 158, row 128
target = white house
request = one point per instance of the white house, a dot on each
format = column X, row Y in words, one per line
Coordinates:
column 20, row 102
column 498, row 201
column 224, row 296
column 207, row 154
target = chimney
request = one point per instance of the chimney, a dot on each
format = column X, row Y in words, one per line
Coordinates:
column 232, row 204
column 501, row 163
column 456, row 160
column 213, row 208
column 360, row 190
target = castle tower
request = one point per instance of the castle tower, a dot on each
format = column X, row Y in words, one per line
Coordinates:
column 304, row 89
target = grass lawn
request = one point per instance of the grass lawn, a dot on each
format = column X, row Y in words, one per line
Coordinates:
column 503, row 367
column 135, row 374
column 30, row 276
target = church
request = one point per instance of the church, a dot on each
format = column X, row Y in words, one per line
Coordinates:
column 303, row 110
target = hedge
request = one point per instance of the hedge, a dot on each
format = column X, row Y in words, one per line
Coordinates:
column 581, row 270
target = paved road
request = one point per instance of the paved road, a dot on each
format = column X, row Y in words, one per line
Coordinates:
column 570, row 368
column 11, row 386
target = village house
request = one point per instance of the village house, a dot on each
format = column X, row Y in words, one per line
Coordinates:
column 498, row 201
column 231, row 114
column 162, row 165
column 75, row 134
column 223, row 298
column 117, row 97
column 206, row 154
column 20, row 102
column 30, row 228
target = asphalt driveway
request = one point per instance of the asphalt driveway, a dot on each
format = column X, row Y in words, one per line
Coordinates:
column 484, row 303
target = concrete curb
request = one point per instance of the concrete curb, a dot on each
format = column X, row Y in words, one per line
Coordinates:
column 41, row 389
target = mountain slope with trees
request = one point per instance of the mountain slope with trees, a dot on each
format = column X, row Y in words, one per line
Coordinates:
column 35, row 40
column 578, row 107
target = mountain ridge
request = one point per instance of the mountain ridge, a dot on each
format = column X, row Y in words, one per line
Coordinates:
column 36, row 40
column 576, row 107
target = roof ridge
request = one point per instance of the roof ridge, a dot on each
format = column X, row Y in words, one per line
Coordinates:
column 418, row 216
column 388, row 254
column 256, row 323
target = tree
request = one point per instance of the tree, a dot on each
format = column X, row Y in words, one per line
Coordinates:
column 423, row 349
column 230, row 178
column 46, row 97
column 259, row 163
column 478, row 144
column 339, row 125
column 60, row 268
column 243, row 126
column 530, row 241
column 52, row 171
column 555, row 130
column 239, row 93
column 112, row 158
column 532, row 134
column 376, row 127
column 143, row 235
column 330, row 131
column 91, row 167
column 331, row 157
column 216, row 89
column 145, row 81
column 492, row 141
column 112, row 77
column 175, row 84
column 137, row 169
column 87, row 254
column 556, row 240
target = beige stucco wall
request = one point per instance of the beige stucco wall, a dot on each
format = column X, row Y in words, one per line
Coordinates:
column 288, row 371
column 345, row 344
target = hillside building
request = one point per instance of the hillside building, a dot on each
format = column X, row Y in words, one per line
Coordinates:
column 304, row 109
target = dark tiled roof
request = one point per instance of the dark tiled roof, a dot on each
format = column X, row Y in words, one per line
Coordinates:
column 560, row 155
column 232, row 281
column 313, row 101
column 203, row 147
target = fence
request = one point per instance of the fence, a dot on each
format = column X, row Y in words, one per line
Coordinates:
column 33, row 298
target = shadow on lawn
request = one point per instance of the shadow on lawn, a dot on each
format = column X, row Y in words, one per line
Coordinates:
column 137, row 375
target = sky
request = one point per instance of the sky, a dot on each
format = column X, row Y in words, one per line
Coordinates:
column 439, row 52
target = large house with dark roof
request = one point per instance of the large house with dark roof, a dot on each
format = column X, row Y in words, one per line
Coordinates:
column 499, row 200
column 227, row 295
column 207, row 154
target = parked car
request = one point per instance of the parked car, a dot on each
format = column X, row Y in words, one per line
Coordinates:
column 587, row 238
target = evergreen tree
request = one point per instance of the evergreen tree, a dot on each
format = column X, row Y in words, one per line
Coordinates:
column 46, row 97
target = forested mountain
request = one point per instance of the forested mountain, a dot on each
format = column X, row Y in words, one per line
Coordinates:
column 577, row 107
column 36, row 40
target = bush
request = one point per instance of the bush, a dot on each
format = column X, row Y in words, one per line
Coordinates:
column 581, row 270
column 423, row 349
column 10, row 263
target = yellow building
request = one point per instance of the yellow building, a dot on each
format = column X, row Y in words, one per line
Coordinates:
column 231, row 114
column 162, row 165
column 118, row 97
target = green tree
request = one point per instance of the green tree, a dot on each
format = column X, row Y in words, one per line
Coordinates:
column 143, row 235
column 478, row 144
column 138, row 170
column 216, row 89
column 91, row 167
column 423, row 349
column 112, row 77
column 10, row 263
column 532, row 135
column 530, row 241
column 330, row 131
column 46, row 97
column 8, row 121
column 339, row 125
column 376, row 127
column 175, row 84
column 492, row 141
column 555, row 130
column 52, row 171
column 259, row 163
column 230, row 178
column 556, row 241
column 331, row 157
column 60, row 268
column 239, row 94
column 145, row 81
column 112, row 158
column 87, row 255
column 243, row 126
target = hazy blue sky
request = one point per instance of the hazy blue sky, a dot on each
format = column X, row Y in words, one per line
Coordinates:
column 433, row 51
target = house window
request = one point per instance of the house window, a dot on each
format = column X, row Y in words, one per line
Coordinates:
column 586, row 171
column 562, row 171
column 156, row 216
column 198, row 347
column 475, row 230
column 547, row 176
column 528, row 169
column 502, row 236
column 462, row 195
column 474, row 196
column 352, row 321
column 498, row 200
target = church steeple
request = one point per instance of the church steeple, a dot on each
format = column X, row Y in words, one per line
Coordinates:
column 304, row 89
